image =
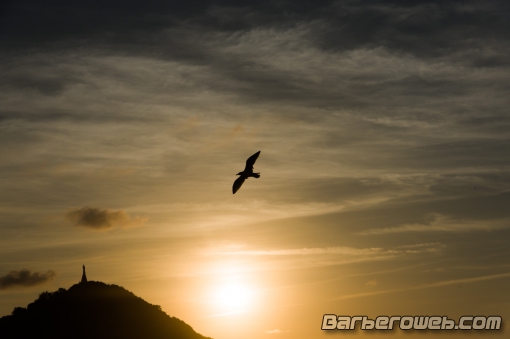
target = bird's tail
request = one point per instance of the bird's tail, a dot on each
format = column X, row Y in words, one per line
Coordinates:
column 256, row 175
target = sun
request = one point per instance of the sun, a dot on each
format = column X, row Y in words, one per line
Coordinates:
column 234, row 297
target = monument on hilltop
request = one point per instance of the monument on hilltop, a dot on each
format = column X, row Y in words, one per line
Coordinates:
column 84, row 276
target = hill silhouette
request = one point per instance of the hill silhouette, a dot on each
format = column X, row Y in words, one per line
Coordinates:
column 93, row 310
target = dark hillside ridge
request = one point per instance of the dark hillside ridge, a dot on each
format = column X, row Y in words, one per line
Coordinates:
column 93, row 310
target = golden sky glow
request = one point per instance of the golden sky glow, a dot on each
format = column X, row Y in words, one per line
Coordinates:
column 384, row 185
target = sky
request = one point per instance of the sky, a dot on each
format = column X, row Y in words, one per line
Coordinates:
column 384, row 135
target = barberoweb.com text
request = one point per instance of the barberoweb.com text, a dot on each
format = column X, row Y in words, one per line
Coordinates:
column 467, row 322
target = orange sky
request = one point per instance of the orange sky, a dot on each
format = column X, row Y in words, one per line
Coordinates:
column 384, row 162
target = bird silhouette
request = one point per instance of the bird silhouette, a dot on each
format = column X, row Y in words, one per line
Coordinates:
column 248, row 172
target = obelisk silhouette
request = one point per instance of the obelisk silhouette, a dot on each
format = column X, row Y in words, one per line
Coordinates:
column 84, row 276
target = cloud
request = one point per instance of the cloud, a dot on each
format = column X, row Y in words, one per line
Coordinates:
column 309, row 251
column 431, row 285
column 102, row 219
column 443, row 223
column 301, row 258
column 25, row 278
column 326, row 256
column 340, row 250
column 427, row 29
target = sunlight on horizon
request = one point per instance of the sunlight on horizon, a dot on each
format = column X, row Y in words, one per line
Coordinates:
column 232, row 292
column 234, row 297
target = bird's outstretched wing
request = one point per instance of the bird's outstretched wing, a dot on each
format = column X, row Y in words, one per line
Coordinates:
column 251, row 161
column 237, row 184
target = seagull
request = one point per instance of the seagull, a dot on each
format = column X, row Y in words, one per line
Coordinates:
column 248, row 172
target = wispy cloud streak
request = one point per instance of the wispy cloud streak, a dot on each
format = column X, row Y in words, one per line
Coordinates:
column 342, row 251
column 431, row 285
column 444, row 224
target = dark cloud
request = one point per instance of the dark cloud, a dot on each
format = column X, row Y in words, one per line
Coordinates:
column 225, row 37
column 46, row 86
column 428, row 28
column 25, row 278
column 102, row 219
column 423, row 28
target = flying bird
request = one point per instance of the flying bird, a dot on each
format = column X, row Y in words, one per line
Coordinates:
column 248, row 172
